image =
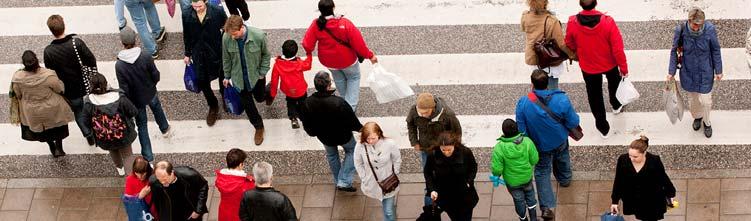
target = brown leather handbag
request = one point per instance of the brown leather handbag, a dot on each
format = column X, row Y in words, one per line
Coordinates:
column 390, row 183
column 547, row 51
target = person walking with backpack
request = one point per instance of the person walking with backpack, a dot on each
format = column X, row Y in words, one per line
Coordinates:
column 514, row 157
column 598, row 45
column 73, row 63
column 137, row 76
column 377, row 161
column 700, row 64
column 538, row 23
column 110, row 116
column 341, row 49
column 42, row 110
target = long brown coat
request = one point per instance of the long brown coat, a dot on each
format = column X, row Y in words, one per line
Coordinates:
column 533, row 24
column 41, row 104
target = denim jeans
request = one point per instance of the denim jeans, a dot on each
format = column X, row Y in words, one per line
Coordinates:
column 423, row 159
column 347, row 82
column 342, row 175
column 552, row 83
column 524, row 200
column 143, row 12
column 120, row 13
column 559, row 161
column 143, row 128
column 185, row 7
column 77, row 106
column 389, row 214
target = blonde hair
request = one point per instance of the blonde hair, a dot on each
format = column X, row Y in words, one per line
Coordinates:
column 538, row 6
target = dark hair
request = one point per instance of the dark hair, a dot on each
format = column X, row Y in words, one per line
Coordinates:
column 233, row 23
column 369, row 128
column 539, row 79
column 322, row 81
column 588, row 4
column 448, row 139
column 326, row 7
column 289, row 48
column 56, row 25
column 164, row 165
column 509, row 127
column 141, row 165
column 235, row 157
column 640, row 144
column 30, row 61
column 98, row 84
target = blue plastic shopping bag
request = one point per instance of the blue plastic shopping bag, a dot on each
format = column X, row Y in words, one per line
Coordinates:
column 607, row 216
column 191, row 79
column 216, row 2
column 232, row 99
column 136, row 208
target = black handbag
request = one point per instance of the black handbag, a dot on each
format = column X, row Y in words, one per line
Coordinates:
column 430, row 213
column 360, row 59
column 390, row 183
column 547, row 51
column 86, row 71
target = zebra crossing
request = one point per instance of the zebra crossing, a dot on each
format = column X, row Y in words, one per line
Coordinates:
column 469, row 52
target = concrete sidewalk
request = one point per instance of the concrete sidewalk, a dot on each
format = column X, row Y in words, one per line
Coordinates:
column 316, row 199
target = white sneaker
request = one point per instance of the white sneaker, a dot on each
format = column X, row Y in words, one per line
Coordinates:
column 167, row 134
column 619, row 110
column 120, row 171
column 152, row 165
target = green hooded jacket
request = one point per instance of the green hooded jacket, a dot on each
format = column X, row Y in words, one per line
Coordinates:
column 514, row 159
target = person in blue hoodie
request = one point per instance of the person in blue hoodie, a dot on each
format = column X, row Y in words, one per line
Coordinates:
column 549, row 136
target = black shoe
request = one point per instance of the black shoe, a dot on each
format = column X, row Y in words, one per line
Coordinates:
column 58, row 150
column 346, row 189
column 707, row 131
column 160, row 38
column 548, row 214
column 697, row 124
column 566, row 184
column 295, row 123
column 91, row 140
column 121, row 27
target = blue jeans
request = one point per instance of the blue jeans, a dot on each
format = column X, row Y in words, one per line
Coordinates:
column 77, row 106
column 423, row 159
column 185, row 7
column 559, row 161
column 143, row 129
column 347, row 82
column 342, row 176
column 120, row 13
column 389, row 213
column 552, row 83
column 524, row 200
column 143, row 11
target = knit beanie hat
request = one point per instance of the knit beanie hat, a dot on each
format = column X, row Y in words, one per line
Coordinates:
column 425, row 101
column 509, row 128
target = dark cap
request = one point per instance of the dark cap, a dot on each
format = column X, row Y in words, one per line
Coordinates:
column 322, row 81
column 128, row 36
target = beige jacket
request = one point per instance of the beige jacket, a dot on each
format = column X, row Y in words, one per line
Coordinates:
column 41, row 104
column 532, row 24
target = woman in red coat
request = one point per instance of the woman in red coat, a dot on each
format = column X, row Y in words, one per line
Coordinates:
column 137, row 183
column 232, row 182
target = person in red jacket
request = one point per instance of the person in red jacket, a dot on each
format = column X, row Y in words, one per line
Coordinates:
column 596, row 40
column 137, row 183
column 340, row 48
column 232, row 182
column 289, row 68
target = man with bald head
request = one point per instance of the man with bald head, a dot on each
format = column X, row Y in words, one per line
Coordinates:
column 179, row 193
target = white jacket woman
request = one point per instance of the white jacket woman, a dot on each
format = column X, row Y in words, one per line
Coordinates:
column 386, row 160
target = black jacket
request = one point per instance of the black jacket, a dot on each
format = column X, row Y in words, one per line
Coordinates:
column 330, row 118
column 60, row 57
column 138, row 79
column 453, row 178
column 425, row 131
column 203, row 41
column 645, row 193
column 116, row 103
column 195, row 194
column 266, row 204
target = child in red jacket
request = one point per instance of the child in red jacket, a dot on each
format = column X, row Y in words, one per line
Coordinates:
column 232, row 182
column 289, row 68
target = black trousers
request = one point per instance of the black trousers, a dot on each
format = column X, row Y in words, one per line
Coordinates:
column 246, row 98
column 294, row 106
column 238, row 6
column 208, row 93
column 596, row 100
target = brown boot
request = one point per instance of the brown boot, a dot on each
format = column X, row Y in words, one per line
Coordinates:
column 212, row 116
column 259, row 136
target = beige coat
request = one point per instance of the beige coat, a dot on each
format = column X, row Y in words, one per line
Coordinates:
column 41, row 104
column 383, row 155
column 533, row 24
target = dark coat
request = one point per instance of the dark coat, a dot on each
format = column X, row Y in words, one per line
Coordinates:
column 701, row 58
column 645, row 193
column 330, row 118
column 138, row 80
column 266, row 204
column 203, row 41
column 194, row 186
column 425, row 131
column 453, row 178
column 61, row 58
column 121, row 106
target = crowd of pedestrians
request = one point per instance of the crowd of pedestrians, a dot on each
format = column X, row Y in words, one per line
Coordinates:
column 530, row 149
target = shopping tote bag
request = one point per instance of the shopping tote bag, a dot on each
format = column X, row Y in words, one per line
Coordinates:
column 136, row 208
column 191, row 79
column 626, row 92
column 232, row 99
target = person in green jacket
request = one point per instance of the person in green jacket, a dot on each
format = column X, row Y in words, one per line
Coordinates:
column 514, row 157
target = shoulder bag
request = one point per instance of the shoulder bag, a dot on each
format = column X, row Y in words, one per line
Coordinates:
column 86, row 71
column 547, row 51
column 346, row 44
column 390, row 183
column 575, row 133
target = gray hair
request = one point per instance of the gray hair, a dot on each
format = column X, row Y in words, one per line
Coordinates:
column 696, row 15
column 262, row 172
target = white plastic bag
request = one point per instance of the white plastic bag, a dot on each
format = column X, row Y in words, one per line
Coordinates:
column 387, row 86
column 626, row 92
column 674, row 105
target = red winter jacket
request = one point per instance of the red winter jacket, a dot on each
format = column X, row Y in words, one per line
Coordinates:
column 133, row 187
column 291, row 74
column 599, row 48
column 330, row 52
column 231, row 187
